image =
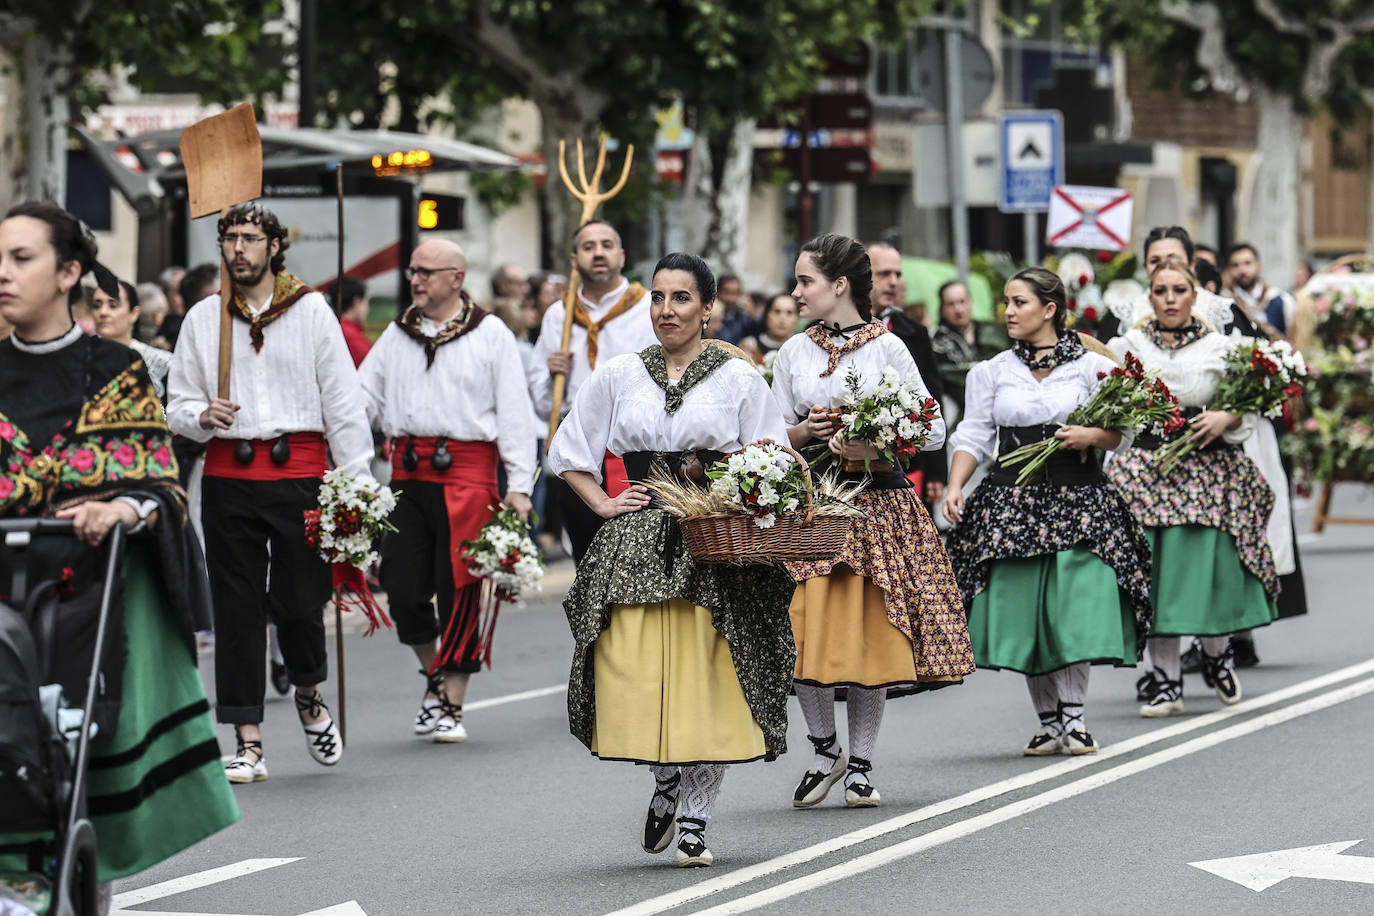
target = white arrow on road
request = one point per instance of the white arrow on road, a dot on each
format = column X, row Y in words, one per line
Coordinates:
column 213, row 876
column 1264, row 870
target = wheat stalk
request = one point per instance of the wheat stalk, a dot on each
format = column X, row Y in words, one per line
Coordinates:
column 831, row 497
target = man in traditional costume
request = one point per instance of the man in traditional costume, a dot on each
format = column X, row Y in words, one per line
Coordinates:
column 610, row 317
column 295, row 402
column 447, row 388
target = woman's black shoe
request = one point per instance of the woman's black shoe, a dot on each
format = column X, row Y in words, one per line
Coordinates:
column 281, row 681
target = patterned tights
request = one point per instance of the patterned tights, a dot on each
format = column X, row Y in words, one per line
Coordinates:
column 1058, row 698
column 699, row 787
column 864, row 710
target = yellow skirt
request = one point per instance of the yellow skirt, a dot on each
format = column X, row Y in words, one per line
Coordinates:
column 666, row 690
column 844, row 636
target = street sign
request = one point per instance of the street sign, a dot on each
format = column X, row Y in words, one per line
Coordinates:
column 978, row 74
column 842, row 111
column 1086, row 217
column 1032, row 153
column 829, row 165
column 930, row 178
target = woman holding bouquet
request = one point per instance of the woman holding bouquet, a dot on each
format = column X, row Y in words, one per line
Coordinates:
column 679, row 666
column 884, row 613
column 1205, row 518
column 1055, row 573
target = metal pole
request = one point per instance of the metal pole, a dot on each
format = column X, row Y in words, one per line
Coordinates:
column 338, row 310
column 1031, row 226
column 954, row 97
column 805, row 203
column 306, row 81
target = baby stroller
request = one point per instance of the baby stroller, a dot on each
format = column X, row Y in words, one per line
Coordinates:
column 54, row 634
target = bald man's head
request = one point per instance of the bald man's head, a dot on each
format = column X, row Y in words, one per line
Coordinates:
column 437, row 270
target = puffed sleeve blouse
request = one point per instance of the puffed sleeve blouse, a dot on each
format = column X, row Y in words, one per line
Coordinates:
column 1191, row 372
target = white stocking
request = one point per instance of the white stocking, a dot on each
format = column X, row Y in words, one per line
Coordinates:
column 1216, row 646
column 667, row 782
column 1071, row 684
column 818, row 709
column 1045, row 699
column 700, row 786
column 1164, row 656
column 864, row 710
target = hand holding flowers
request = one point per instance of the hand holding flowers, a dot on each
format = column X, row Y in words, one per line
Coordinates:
column 505, row 553
column 352, row 515
column 897, row 419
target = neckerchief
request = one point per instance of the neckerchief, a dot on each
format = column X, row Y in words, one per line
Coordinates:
column 1182, row 336
column 709, row 360
column 1066, row 349
column 469, row 316
column 582, row 317
column 839, row 333
column 285, row 293
column 821, row 338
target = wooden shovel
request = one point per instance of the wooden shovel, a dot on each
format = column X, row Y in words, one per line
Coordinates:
column 223, row 159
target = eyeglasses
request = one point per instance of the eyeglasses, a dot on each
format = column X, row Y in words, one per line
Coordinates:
column 234, row 240
column 424, row 273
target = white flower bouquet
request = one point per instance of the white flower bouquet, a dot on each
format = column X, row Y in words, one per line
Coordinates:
column 761, row 480
column 505, row 554
column 897, row 419
column 352, row 515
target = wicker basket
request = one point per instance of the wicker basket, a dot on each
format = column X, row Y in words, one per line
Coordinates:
column 733, row 539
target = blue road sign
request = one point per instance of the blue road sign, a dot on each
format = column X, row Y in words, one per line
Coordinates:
column 1032, row 150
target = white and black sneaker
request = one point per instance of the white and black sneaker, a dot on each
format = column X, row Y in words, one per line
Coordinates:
column 321, row 739
column 858, row 791
column 1044, row 743
column 691, row 843
column 1167, row 701
column 1147, row 685
column 1219, row 673
column 431, row 707
column 449, row 729
column 658, row 823
column 247, row 765
column 815, row 784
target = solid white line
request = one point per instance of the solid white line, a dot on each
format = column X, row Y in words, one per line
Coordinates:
column 984, row 793
column 1007, row 812
column 517, row 697
column 199, row 879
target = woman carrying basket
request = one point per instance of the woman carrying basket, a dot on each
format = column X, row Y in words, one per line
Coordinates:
column 82, row 437
column 681, row 666
column 884, row 613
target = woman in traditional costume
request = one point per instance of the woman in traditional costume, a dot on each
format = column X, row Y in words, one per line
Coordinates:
column 885, row 612
column 83, row 437
column 1205, row 518
column 1055, row 573
column 680, row 666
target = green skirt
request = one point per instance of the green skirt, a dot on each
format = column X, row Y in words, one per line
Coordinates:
column 157, row 785
column 1040, row 614
column 1200, row 586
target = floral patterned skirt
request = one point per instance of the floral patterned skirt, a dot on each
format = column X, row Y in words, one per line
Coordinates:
column 1007, row 522
column 1218, row 488
column 896, row 548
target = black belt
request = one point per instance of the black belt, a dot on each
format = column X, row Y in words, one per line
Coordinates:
column 1065, row 468
column 1149, row 441
column 685, row 467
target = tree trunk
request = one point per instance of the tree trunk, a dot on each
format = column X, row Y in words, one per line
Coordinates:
column 46, row 115
column 1273, row 211
column 716, row 210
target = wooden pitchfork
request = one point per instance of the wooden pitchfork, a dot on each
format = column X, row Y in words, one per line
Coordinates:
column 591, row 196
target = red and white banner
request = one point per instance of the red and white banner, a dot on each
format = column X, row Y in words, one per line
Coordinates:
column 1085, row 217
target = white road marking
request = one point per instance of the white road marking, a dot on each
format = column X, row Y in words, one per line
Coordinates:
column 197, row 880
column 1265, row 869
column 206, row 878
column 516, row 697
column 960, row 829
column 984, row 793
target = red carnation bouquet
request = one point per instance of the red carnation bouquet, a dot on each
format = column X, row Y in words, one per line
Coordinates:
column 1128, row 399
column 352, row 515
column 1259, row 376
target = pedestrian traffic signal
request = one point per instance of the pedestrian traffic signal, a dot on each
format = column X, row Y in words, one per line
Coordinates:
column 440, row 212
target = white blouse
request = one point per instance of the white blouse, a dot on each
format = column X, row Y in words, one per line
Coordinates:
column 620, row 409
column 1001, row 391
column 302, row 381
column 474, row 392
column 1191, row 372
column 629, row 333
column 798, row 383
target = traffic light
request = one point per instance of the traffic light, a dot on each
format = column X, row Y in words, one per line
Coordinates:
column 440, row 212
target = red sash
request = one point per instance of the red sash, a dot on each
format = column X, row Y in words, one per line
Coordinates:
column 309, row 458
column 617, row 479
column 470, row 490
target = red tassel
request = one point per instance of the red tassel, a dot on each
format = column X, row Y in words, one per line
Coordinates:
column 352, row 594
column 468, row 623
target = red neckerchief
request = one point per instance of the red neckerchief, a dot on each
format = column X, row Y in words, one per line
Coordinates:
column 470, row 314
column 821, row 338
column 286, row 292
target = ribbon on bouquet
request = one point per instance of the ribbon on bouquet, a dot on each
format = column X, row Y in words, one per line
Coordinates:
column 352, row 594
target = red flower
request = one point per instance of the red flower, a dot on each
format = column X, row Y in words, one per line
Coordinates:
column 1104, row 257
column 1090, row 314
column 6, row 487
column 6, row 430
column 1293, row 390
column 82, row 460
column 1102, row 375
column 125, row 455
column 1073, row 304
column 1084, row 280
column 162, row 455
column 312, row 527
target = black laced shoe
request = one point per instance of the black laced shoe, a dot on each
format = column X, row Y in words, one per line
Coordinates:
column 1190, row 662
column 1218, row 672
column 322, row 739
column 431, row 706
column 247, row 764
column 1243, row 648
column 691, row 843
column 858, row 792
column 1147, row 685
column 1077, row 741
column 815, row 784
column 658, row 823
column 1167, row 701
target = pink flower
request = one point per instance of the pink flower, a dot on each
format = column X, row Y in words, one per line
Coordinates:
column 83, row 460
column 1324, row 304
column 6, row 430
column 6, row 487
column 163, row 455
column 1311, row 424
column 125, row 455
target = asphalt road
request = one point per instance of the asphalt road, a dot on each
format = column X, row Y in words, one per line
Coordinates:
column 520, row 819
